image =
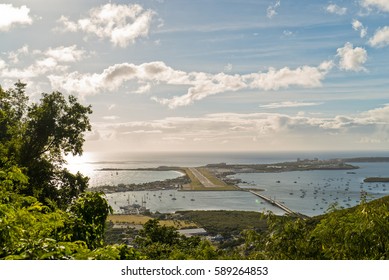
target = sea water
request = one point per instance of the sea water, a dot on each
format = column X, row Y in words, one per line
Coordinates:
column 314, row 192
column 170, row 201
column 308, row 192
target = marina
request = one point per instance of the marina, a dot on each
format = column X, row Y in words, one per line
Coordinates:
column 311, row 192
column 307, row 192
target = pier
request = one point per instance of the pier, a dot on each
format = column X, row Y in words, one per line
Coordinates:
column 277, row 204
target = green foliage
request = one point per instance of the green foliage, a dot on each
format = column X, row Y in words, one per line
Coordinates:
column 44, row 211
column 35, row 137
column 53, row 126
column 152, row 232
column 163, row 242
column 88, row 215
column 13, row 106
column 356, row 233
column 31, row 230
column 226, row 223
column 360, row 234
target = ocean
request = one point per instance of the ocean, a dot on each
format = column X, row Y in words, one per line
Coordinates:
column 307, row 192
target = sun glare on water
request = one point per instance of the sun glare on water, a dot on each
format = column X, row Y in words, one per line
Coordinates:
column 82, row 164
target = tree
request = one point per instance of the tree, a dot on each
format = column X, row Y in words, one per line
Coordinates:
column 356, row 233
column 36, row 137
column 45, row 212
column 88, row 214
column 54, row 127
column 30, row 230
column 13, row 107
column 158, row 242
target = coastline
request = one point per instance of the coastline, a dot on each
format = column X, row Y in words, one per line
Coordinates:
column 215, row 177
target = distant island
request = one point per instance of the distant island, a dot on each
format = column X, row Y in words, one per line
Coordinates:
column 298, row 165
column 366, row 159
column 376, row 180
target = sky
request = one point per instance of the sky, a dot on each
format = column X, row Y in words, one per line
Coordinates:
column 220, row 75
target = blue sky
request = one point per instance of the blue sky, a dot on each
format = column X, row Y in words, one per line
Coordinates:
column 221, row 75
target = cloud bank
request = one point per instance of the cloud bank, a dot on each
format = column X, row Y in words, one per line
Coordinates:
column 237, row 130
column 54, row 64
column 201, row 84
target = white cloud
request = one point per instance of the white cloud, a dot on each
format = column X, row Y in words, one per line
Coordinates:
column 380, row 38
column 114, row 76
column 110, row 107
column 271, row 10
column 305, row 76
column 122, row 24
column 14, row 56
column 145, row 131
column 2, row 64
column 66, row 54
column 38, row 63
column 270, row 130
column 382, row 5
column 358, row 26
column 93, row 135
column 173, row 138
column 351, row 59
column 143, row 89
column 67, row 24
column 76, row 82
column 228, row 67
column 378, row 115
column 201, row 85
column 287, row 33
column 335, row 9
column 288, row 104
column 111, row 118
column 204, row 85
column 10, row 16
column 36, row 69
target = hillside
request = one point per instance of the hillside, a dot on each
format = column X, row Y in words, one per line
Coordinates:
column 359, row 232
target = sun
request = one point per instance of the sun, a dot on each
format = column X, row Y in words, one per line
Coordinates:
column 82, row 164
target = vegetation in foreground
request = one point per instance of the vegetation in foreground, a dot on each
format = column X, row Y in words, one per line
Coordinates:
column 46, row 212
